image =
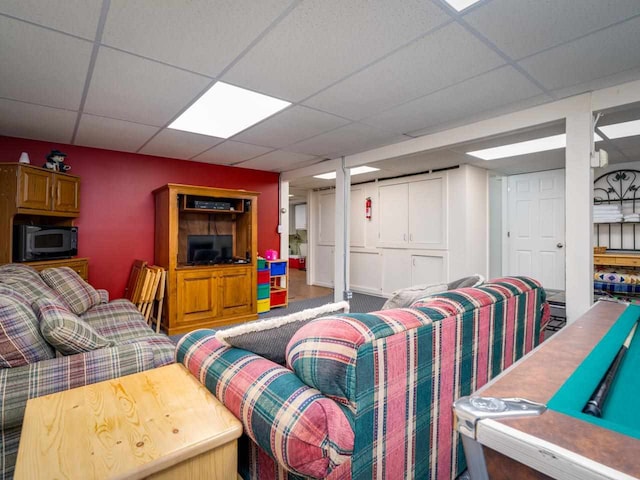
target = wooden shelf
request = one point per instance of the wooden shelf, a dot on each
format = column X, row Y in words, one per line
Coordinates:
column 617, row 259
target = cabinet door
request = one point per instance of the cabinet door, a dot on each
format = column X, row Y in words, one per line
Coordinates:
column 34, row 189
column 394, row 216
column 66, row 193
column 301, row 216
column 357, row 221
column 196, row 296
column 427, row 269
column 396, row 265
column 236, row 293
column 427, row 213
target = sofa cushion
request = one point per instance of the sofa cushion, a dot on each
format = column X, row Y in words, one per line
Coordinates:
column 26, row 281
column 20, row 339
column 269, row 338
column 76, row 293
column 65, row 331
column 306, row 432
column 406, row 296
column 118, row 320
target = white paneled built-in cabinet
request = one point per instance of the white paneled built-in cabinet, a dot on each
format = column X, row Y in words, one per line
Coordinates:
column 300, row 216
column 428, row 228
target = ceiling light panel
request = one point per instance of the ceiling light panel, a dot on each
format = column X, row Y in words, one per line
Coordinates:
column 352, row 171
column 522, row 148
column 225, row 110
column 621, row 130
column 460, row 5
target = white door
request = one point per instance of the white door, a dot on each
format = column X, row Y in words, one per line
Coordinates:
column 535, row 203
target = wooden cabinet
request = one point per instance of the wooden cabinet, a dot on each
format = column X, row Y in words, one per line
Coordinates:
column 79, row 265
column 46, row 191
column 32, row 195
column 218, row 292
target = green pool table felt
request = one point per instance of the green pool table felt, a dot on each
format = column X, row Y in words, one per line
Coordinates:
column 620, row 412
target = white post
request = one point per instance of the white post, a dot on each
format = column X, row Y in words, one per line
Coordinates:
column 283, row 223
column 341, row 258
column 578, row 209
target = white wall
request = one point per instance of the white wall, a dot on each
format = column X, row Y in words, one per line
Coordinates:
column 495, row 226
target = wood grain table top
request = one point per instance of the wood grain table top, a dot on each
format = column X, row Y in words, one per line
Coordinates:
column 128, row 427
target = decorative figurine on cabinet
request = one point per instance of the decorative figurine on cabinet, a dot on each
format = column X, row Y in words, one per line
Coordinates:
column 55, row 161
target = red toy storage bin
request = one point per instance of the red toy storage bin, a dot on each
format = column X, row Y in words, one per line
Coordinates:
column 263, row 276
column 278, row 297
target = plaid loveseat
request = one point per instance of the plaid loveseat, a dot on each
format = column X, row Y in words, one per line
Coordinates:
column 30, row 367
column 367, row 396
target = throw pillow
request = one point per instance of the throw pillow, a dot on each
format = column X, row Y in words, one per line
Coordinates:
column 76, row 293
column 67, row 333
column 466, row 282
column 404, row 297
column 269, row 338
column 20, row 339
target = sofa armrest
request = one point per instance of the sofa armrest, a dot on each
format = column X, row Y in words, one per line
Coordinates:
column 104, row 295
column 306, row 432
column 63, row 373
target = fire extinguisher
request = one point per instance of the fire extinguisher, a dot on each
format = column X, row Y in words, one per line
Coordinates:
column 367, row 210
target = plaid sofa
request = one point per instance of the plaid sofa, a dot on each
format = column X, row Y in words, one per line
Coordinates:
column 367, row 396
column 131, row 346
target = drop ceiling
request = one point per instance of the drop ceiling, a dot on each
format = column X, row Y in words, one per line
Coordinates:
column 360, row 73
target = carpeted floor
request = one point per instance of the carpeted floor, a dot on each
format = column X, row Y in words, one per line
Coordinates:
column 360, row 303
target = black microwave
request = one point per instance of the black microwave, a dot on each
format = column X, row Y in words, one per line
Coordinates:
column 44, row 242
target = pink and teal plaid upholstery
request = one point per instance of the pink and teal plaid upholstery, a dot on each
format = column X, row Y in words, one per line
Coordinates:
column 395, row 374
column 76, row 293
column 67, row 333
column 55, row 375
column 307, row 433
column 20, row 339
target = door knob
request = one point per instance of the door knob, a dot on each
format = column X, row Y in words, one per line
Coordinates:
column 559, row 245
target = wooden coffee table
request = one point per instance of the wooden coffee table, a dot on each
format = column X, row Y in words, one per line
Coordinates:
column 160, row 424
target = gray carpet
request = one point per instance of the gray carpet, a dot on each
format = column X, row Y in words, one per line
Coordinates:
column 360, row 303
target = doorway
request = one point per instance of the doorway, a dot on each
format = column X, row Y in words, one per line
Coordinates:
column 536, row 227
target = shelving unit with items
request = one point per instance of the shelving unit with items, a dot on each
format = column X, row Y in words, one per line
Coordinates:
column 264, row 287
column 279, row 282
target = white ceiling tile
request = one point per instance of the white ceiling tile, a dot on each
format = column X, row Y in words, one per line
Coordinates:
column 41, row 66
column 78, row 17
column 231, row 152
column 290, row 126
column 201, row 36
column 604, row 53
column 179, row 144
column 524, row 27
column 483, row 93
column 102, row 132
column 131, row 88
column 279, row 161
column 321, row 42
column 598, row 83
column 418, row 69
column 24, row 120
column 350, row 139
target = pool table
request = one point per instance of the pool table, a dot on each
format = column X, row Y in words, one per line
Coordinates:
column 561, row 374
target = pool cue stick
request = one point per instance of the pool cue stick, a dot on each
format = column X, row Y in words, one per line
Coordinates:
column 596, row 403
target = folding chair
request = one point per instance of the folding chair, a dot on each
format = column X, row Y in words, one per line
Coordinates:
column 134, row 284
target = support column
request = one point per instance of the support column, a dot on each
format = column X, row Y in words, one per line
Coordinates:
column 283, row 223
column 579, row 209
column 341, row 257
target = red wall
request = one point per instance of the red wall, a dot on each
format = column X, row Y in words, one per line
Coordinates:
column 116, row 223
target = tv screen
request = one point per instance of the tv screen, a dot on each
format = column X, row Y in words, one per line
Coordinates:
column 207, row 249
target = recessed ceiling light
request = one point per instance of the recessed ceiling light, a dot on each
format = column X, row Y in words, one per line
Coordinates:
column 460, row 5
column 522, row 148
column 621, row 130
column 352, row 171
column 225, row 110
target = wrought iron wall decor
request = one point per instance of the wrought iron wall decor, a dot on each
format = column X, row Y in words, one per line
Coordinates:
column 619, row 187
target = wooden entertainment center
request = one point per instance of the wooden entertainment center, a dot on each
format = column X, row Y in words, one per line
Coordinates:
column 31, row 195
column 206, row 294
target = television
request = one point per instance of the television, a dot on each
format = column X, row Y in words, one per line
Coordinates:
column 209, row 249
